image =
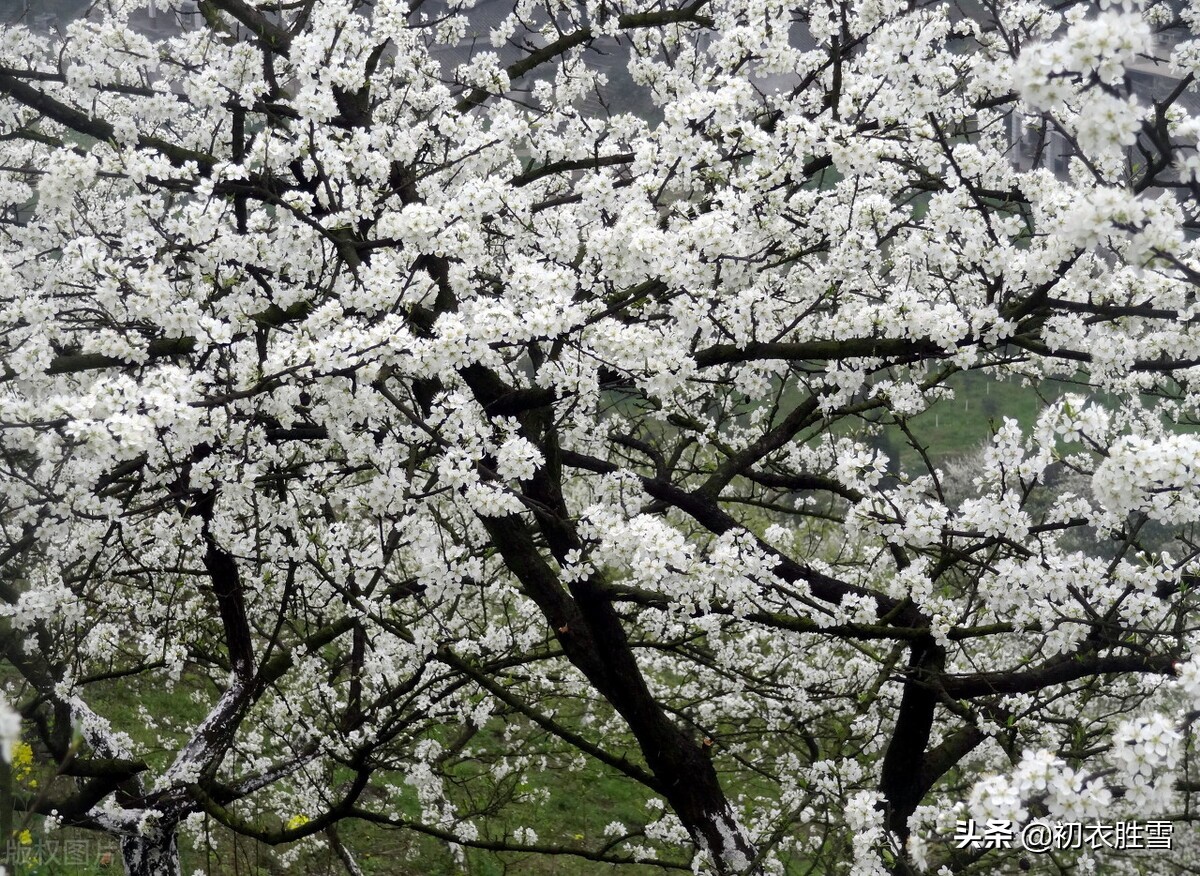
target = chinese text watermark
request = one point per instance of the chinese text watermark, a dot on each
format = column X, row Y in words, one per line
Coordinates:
column 1047, row 836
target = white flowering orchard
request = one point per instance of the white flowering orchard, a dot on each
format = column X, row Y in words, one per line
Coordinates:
column 424, row 400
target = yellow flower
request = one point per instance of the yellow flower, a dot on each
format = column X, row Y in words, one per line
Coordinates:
column 22, row 762
column 297, row 821
column 25, row 838
column 22, row 755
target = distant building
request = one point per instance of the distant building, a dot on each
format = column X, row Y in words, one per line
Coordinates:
column 42, row 15
column 1035, row 142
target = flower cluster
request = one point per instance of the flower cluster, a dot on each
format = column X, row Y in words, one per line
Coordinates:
column 673, row 391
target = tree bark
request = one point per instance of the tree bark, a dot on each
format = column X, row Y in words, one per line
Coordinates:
column 155, row 854
column 899, row 781
column 594, row 640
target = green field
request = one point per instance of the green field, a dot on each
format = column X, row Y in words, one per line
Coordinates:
column 961, row 424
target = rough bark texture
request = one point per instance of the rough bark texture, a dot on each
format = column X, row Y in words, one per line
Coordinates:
column 156, row 854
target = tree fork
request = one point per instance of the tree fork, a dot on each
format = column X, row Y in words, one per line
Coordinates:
column 910, row 736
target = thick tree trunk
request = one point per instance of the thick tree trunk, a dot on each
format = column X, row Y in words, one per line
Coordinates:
column 677, row 759
column 156, row 854
column 900, row 775
column 593, row 638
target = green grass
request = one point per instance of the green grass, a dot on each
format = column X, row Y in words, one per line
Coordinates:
column 568, row 808
column 980, row 405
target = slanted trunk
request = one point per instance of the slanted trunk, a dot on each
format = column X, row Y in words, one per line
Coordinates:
column 594, row 640
column 156, row 854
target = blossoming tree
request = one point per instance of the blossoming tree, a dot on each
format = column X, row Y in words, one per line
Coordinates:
column 422, row 410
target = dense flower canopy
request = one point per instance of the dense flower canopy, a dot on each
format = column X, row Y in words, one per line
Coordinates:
column 432, row 394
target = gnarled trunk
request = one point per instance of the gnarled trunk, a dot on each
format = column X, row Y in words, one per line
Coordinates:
column 155, row 854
